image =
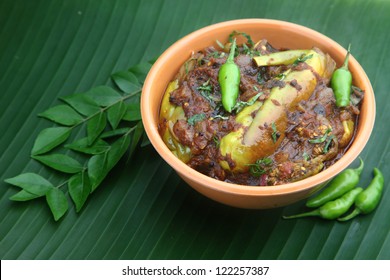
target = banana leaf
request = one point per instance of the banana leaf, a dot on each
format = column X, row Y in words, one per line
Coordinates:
column 50, row 49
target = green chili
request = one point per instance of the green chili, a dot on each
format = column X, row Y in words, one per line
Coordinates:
column 342, row 82
column 332, row 209
column 229, row 80
column 369, row 199
column 342, row 183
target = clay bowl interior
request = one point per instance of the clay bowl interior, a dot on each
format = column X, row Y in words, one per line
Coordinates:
column 281, row 35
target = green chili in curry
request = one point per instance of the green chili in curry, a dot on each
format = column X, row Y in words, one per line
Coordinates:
column 342, row 82
column 229, row 80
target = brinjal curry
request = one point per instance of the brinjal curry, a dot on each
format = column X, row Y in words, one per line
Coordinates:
column 284, row 125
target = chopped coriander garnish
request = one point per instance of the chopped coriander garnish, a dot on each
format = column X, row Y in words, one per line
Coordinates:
column 220, row 117
column 206, row 86
column 206, row 91
column 281, row 76
column 260, row 78
column 260, row 167
column 249, row 51
column 220, row 44
column 208, row 96
column 306, row 156
column 196, row 118
column 241, row 104
column 302, row 58
column 246, row 49
column 321, row 139
column 216, row 140
column 275, row 133
column 214, row 54
column 327, row 144
column 217, row 54
column 255, row 53
column 248, row 37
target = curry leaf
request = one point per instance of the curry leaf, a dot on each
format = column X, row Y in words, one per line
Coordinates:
column 62, row 114
column 139, row 129
column 103, row 95
column 50, row 138
column 95, row 126
column 115, row 132
column 60, row 162
column 57, row 202
column 115, row 114
column 141, row 70
column 100, row 165
column 97, row 169
column 118, row 149
column 79, row 188
column 133, row 112
column 94, row 108
column 24, row 196
column 145, row 140
column 126, row 81
column 81, row 145
column 82, row 103
column 31, row 182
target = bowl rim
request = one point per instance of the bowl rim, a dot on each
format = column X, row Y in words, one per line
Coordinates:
column 184, row 170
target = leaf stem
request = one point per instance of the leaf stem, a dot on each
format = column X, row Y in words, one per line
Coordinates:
column 67, row 181
column 62, row 184
column 134, row 93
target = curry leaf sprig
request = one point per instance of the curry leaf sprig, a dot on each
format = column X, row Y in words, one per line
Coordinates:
column 105, row 124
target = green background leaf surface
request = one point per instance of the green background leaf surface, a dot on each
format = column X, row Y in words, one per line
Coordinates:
column 143, row 210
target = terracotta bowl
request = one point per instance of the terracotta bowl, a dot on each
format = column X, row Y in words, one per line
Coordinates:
column 279, row 34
